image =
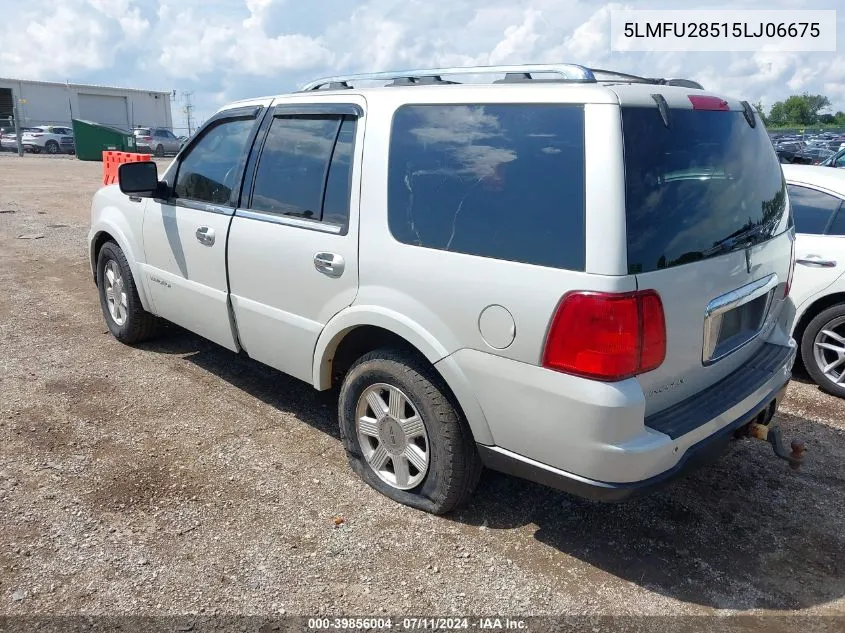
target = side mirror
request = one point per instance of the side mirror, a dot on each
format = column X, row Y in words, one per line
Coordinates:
column 138, row 179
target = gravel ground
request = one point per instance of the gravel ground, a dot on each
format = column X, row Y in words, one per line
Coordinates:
column 179, row 478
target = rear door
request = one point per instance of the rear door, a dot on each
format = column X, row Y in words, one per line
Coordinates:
column 820, row 240
column 185, row 235
column 707, row 228
column 293, row 245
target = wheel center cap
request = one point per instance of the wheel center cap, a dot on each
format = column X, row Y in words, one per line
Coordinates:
column 391, row 435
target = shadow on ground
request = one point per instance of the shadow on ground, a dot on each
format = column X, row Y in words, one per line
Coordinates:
column 744, row 533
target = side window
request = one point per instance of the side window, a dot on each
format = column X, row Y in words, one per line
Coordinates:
column 210, row 169
column 305, row 166
column 840, row 160
column 499, row 181
column 811, row 209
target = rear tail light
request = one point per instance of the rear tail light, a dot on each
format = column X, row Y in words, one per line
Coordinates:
column 146, row 138
column 788, row 286
column 607, row 336
column 705, row 102
column 35, row 134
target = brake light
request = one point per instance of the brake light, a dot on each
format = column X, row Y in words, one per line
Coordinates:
column 35, row 134
column 705, row 102
column 788, row 286
column 146, row 138
column 607, row 336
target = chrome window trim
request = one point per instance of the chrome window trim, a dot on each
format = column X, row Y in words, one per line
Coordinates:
column 302, row 223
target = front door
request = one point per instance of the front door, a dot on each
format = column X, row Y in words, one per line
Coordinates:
column 185, row 235
column 293, row 245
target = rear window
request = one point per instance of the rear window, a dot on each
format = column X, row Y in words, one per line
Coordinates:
column 504, row 181
column 704, row 185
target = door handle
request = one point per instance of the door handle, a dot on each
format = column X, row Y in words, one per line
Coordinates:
column 330, row 264
column 816, row 262
column 205, row 236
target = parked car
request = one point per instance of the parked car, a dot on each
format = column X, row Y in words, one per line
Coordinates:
column 549, row 279
column 837, row 160
column 818, row 291
column 156, row 141
column 816, row 154
column 8, row 140
column 52, row 139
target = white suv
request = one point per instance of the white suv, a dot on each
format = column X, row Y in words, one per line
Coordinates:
column 574, row 276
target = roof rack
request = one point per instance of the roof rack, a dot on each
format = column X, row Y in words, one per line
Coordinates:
column 612, row 75
column 524, row 73
column 429, row 76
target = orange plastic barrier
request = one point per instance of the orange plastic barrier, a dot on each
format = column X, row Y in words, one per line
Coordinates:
column 112, row 160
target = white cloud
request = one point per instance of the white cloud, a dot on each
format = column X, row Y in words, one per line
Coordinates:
column 230, row 49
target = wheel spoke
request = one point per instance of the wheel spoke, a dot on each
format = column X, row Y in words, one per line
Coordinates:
column 833, row 365
column 110, row 274
column 841, row 378
column 413, row 427
column 831, row 347
column 379, row 457
column 368, row 426
column 400, row 469
column 110, row 294
column 414, row 454
column 377, row 405
column 396, row 404
column 834, row 336
column 123, row 300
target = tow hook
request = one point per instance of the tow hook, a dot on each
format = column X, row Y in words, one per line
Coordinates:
column 774, row 436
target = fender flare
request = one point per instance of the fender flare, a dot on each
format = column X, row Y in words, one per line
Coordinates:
column 109, row 226
column 363, row 315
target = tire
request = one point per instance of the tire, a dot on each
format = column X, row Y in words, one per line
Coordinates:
column 159, row 150
column 34, row 149
column 52, row 147
column 453, row 467
column 136, row 324
column 830, row 320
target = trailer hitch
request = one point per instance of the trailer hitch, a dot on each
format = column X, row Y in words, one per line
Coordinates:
column 773, row 435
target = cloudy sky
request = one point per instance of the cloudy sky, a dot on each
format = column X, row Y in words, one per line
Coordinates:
column 223, row 50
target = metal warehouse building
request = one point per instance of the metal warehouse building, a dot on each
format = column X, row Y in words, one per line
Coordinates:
column 43, row 103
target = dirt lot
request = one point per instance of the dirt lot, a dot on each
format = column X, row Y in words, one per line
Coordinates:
column 177, row 477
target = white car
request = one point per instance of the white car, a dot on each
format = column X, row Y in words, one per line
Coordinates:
column 545, row 276
column 816, row 195
column 9, row 141
column 52, row 139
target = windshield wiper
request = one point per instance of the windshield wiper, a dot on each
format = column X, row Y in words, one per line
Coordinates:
column 743, row 239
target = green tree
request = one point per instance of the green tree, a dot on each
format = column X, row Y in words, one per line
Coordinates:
column 761, row 112
column 839, row 118
column 804, row 109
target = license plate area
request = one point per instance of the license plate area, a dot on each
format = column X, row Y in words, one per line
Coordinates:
column 734, row 319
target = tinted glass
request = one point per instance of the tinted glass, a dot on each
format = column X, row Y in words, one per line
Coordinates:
column 502, row 181
column 336, row 198
column 839, row 160
column 837, row 227
column 811, row 209
column 293, row 166
column 210, row 169
column 707, row 183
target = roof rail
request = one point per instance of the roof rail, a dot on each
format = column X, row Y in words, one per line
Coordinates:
column 566, row 72
column 612, row 75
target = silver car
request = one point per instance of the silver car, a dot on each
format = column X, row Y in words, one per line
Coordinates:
column 157, row 141
column 574, row 276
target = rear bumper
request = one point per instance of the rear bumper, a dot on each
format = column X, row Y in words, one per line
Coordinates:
column 700, row 454
column 594, row 439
